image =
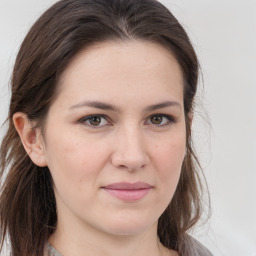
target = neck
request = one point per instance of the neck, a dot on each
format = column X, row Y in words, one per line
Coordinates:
column 75, row 242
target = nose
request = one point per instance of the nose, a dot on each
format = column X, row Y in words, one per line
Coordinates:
column 130, row 150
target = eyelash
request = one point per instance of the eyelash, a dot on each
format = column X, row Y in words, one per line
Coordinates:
column 85, row 119
column 168, row 121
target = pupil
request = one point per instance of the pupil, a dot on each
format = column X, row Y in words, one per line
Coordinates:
column 95, row 120
column 156, row 119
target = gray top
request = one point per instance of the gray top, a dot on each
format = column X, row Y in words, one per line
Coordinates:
column 192, row 248
column 51, row 251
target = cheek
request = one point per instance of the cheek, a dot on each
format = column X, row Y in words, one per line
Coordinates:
column 169, row 157
column 73, row 162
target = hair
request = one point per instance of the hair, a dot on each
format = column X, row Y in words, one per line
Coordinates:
column 27, row 202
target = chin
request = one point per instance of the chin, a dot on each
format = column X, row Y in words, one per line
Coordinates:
column 126, row 231
column 129, row 226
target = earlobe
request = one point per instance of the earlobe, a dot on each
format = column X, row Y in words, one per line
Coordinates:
column 31, row 138
column 190, row 118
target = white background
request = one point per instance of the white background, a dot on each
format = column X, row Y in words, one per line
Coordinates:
column 224, row 35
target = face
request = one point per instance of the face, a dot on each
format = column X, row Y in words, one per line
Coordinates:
column 115, row 137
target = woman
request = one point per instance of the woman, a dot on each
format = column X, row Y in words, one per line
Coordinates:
column 98, row 157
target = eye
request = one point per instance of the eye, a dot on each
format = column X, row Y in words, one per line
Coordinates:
column 94, row 121
column 160, row 120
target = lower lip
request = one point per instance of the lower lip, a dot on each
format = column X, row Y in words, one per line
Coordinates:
column 128, row 195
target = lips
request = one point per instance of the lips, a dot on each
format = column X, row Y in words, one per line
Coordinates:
column 128, row 191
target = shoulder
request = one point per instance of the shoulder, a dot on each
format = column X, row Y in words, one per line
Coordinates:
column 192, row 247
column 201, row 250
column 50, row 250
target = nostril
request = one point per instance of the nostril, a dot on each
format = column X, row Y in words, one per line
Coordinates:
column 130, row 159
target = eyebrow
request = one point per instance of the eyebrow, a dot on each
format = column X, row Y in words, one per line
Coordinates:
column 163, row 105
column 96, row 104
column 107, row 106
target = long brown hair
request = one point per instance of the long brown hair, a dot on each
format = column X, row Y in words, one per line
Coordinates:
column 27, row 202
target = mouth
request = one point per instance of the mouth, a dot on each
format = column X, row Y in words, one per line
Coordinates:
column 128, row 191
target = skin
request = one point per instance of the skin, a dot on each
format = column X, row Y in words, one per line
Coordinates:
column 141, row 137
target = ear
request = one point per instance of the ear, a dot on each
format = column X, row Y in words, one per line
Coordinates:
column 190, row 118
column 31, row 138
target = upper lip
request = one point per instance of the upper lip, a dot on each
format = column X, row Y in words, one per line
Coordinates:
column 128, row 186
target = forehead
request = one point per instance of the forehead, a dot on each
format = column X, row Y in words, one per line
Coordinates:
column 132, row 67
